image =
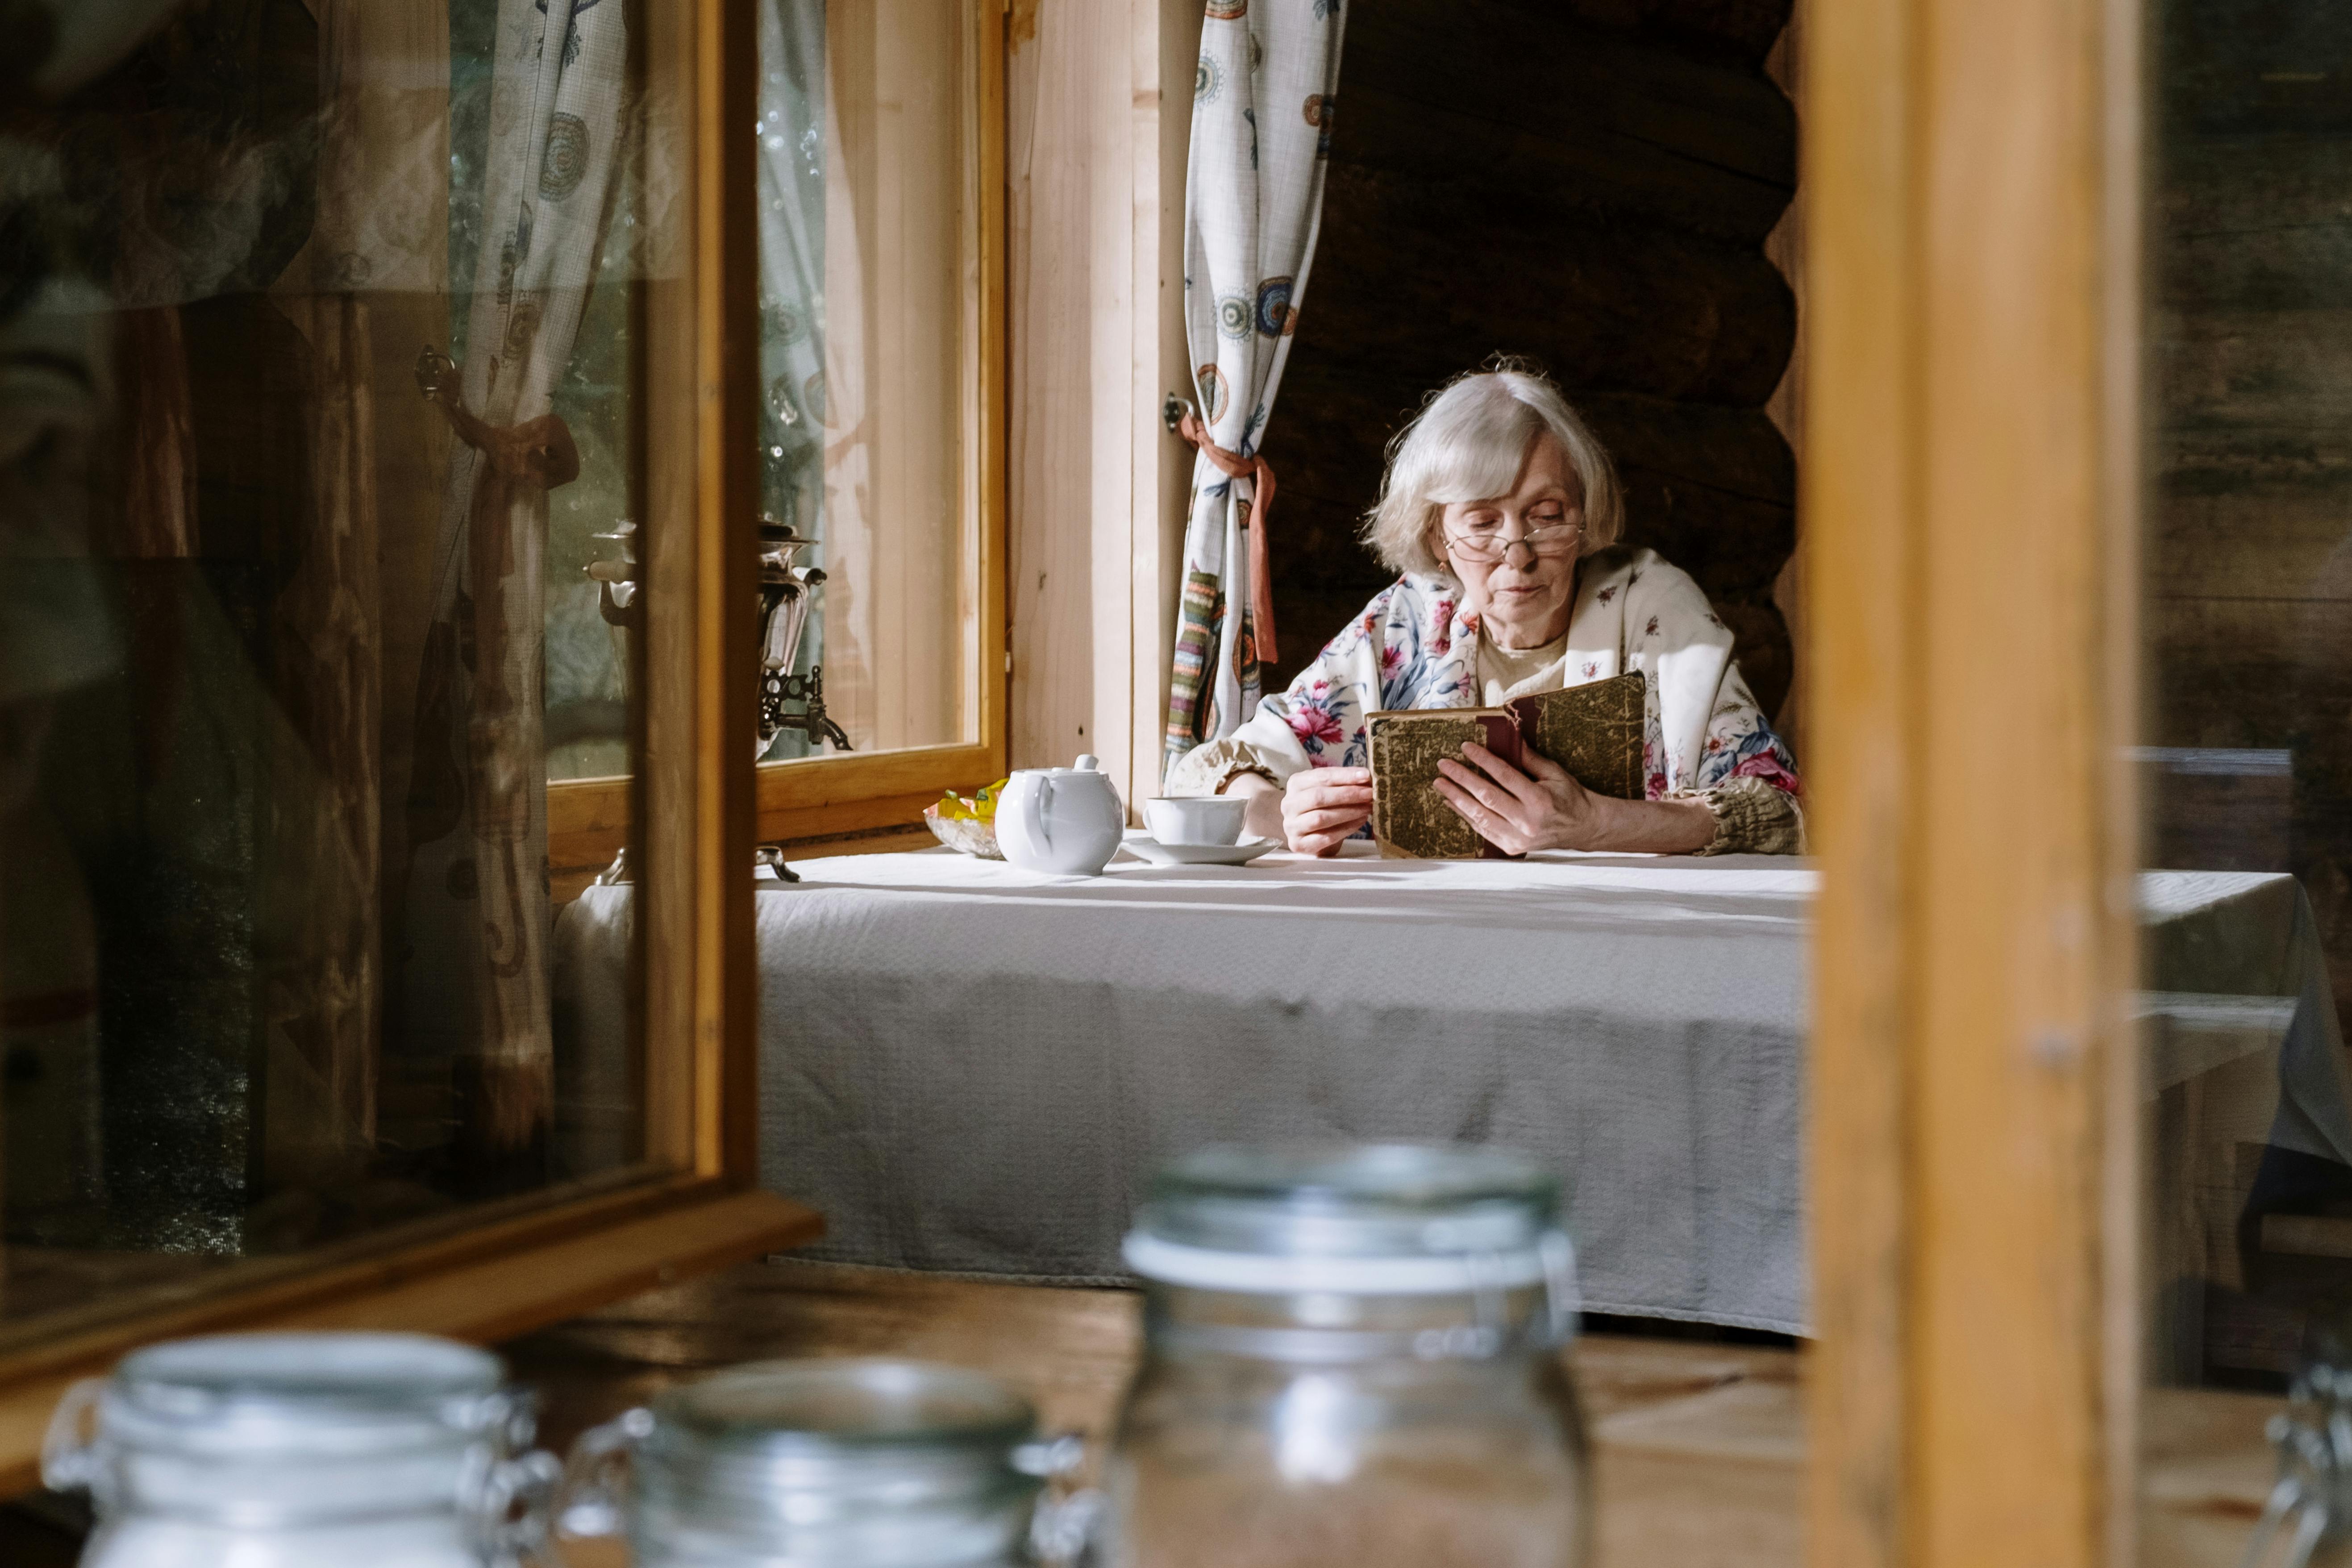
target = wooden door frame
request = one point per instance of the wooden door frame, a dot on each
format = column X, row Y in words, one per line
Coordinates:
column 1970, row 488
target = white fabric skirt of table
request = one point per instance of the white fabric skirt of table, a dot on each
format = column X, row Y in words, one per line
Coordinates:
column 970, row 1068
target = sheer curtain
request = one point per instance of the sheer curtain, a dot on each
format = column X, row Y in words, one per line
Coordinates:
column 1262, row 97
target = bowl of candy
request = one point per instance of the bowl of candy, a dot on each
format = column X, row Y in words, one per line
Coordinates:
column 967, row 823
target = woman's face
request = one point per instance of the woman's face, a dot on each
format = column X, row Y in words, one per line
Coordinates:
column 1524, row 597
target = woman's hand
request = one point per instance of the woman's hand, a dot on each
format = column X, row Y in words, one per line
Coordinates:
column 1322, row 808
column 1545, row 809
column 1542, row 808
column 1261, row 817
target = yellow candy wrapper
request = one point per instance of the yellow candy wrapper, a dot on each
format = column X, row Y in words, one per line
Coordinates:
column 968, row 823
column 978, row 807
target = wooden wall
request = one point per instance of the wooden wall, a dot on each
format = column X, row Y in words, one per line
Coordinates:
column 1098, row 99
column 1589, row 184
column 2249, row 547
column 896, row 616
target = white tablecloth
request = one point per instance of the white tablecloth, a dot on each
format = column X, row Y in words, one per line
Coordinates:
column 969, row 1067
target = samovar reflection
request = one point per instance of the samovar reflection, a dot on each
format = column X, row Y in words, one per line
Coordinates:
column 787, row 701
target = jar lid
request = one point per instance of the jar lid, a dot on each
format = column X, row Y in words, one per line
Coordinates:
column 800, row 1443
column 1361, row 1219
column 320, row 1394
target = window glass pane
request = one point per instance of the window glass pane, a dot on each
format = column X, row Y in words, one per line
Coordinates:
column 868, row 259
column 320, row 326
column 2246, row 760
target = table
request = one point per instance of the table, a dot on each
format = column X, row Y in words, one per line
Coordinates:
column 973, row 1068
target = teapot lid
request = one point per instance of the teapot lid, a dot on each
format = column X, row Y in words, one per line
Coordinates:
column 1088, row 763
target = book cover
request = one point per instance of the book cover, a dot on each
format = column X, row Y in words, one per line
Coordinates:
column 1595, row 732
column 1409, row 817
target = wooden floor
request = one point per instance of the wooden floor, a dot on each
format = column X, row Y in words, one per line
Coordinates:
column 1698, row 1446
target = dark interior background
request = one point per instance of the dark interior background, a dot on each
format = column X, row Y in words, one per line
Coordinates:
column 2247, row 611
column 1589, row 185
column 2249, row 536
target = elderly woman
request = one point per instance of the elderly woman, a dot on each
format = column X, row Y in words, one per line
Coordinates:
column 1502, row 512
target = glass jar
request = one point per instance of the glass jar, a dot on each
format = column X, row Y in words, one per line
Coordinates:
column 1353, row 1355
column 2307, row 1521
column 296, row 1449
column 842, row 1464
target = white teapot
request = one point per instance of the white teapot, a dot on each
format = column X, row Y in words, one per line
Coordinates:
column 1065, row 821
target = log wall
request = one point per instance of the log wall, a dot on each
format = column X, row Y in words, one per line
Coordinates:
column 1589, row 185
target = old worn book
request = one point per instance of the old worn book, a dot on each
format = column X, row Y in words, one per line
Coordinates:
column 1594, row 731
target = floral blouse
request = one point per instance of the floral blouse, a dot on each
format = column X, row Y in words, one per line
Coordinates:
column 1415, row 647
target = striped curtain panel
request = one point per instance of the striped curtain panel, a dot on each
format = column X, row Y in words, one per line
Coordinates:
column 1261, row 106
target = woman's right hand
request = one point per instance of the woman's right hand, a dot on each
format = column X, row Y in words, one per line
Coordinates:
column 1322, row 808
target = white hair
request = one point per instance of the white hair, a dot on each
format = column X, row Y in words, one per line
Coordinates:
column 1469, row 443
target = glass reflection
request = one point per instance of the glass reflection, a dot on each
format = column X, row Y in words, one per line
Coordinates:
column 2247, row 766
column 867, row 239
column 320, row 333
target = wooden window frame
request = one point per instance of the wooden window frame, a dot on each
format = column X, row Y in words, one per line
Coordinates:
column 496, row 1271
column 1970, row 495
column 819, row 796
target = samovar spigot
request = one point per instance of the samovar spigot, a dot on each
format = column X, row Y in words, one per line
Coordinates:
column 786, row 593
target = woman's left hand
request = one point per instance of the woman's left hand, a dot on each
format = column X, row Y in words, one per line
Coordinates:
column 1542, row 808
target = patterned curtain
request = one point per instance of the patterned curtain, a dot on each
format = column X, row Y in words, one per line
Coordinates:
column 478, row 912
column 1261, row 104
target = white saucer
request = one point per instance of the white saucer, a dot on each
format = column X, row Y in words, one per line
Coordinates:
column 1160, row 854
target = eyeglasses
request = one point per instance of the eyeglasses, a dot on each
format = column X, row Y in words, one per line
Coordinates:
column 1489, row 545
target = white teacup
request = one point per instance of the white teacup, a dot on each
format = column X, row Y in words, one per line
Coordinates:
column 1208, row 819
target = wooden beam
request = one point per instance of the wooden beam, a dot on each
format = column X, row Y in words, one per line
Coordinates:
column 1968, row 491
column 1858, row 485
column 727, row 505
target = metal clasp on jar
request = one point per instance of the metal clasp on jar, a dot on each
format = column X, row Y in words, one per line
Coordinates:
column 2314, row 1447
column 592, row 1499
column 75, row 1454
column 505, row 1489
column 1069, row 1518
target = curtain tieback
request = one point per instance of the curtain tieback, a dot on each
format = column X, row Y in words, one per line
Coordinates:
column 1235, row 466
